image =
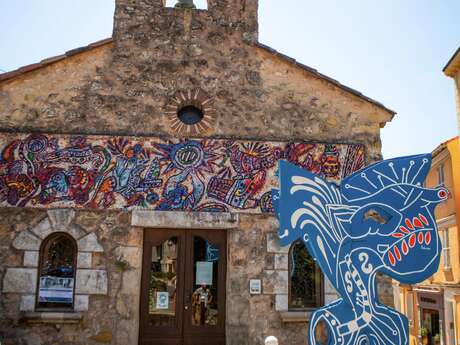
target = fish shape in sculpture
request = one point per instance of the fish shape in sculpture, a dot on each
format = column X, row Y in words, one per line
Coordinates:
column 380, row 219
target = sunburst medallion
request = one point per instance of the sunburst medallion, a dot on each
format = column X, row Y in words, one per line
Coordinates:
column 191, row 98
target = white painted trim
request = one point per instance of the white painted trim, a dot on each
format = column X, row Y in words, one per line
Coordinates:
column 447, row 221
column 296, row 316
column 440, row 158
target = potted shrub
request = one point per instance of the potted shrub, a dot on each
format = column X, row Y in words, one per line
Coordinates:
column 437, row 339
column 424, row 334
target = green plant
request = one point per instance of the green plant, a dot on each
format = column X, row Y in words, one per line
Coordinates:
column 424, row 332
column 437, row 337
column 122, row 265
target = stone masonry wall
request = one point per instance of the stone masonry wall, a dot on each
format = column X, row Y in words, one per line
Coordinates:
column 109, row 315
column 254, row 253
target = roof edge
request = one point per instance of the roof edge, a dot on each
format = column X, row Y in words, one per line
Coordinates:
column 442, row 146
column 48, row 61
column 326, row 78
column 453, row 65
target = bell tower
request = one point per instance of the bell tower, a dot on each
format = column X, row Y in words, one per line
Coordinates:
column 144, row 20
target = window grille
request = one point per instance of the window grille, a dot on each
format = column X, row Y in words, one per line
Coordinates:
column 306, row 287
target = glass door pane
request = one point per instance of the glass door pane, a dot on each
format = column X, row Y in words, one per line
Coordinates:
column 205, row 298
column 162, row 294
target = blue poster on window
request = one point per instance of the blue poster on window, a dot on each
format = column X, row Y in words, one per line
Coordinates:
column 212, row 252
column 162, row 300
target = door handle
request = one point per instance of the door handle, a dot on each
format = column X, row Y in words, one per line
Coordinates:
column 188, row 298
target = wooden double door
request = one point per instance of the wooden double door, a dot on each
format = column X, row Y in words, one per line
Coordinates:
column 183, row 287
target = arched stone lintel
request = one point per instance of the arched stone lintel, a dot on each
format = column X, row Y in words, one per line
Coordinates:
column 58, row 220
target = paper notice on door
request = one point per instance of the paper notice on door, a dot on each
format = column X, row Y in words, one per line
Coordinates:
column 162, row 300
column 204, row 273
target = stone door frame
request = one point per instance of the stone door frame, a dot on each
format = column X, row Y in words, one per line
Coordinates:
column 149, row 219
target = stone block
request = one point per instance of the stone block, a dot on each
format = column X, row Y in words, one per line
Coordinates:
column 27, row 303
column 91, row 282
column 84, row 260
column 103, row 337
column 185, row 220
column 132, row 255
column 238, row 256
column 128, row 235
column 89, row 243
column 328, row 287
column 124, row 305
column 61, row 217
column 239, row 335
column 329, row 298
column 81, row 303
column 237, row 310
column 269, row 261
column 31, row 258
column 131, row 280
column 275, row 282
column 281, row 261
column 53, row 318
column 273, row 245
column 20, row 280
column 43, row 229
column 75, row 231
column 281, row 302
column 25, row 240
column 127, row 331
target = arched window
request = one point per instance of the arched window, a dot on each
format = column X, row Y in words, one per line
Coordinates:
column 306, row 288
column 58, row 257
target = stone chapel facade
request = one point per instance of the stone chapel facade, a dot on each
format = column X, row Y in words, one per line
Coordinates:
column 135, row 179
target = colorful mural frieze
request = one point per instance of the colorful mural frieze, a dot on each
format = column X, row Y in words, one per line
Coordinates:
column 379, row 220
column 214, row 175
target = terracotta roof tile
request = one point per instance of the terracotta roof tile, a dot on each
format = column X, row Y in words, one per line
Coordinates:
column 28, row 68
column 53, row 59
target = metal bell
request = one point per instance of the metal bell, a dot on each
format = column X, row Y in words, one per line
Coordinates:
column 185, row 4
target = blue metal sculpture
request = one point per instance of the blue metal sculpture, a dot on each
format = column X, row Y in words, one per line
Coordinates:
column 380, row 219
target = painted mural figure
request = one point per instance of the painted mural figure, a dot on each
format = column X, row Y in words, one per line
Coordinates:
column 200, row 175
column 380, row 219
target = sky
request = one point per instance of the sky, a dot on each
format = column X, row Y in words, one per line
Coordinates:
column 390, row 50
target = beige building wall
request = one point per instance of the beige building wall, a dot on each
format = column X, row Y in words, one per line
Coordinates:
column 457, row 97
column 452, row 70
column 443, row 288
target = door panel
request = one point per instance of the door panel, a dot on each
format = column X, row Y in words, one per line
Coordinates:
column 183, row 287
column 162, row 287
column 205, row 284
